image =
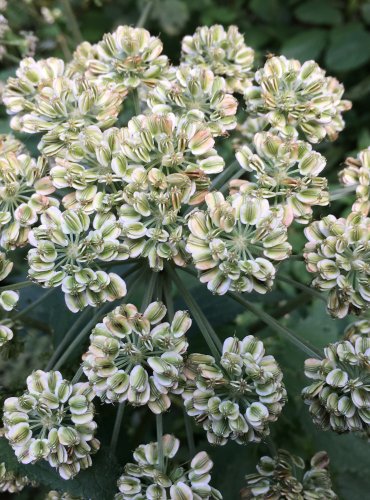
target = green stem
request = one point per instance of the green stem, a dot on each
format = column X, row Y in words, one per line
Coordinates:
column 117, row 426
column 168, row 298
column 78, row 375
column 136, row 101
column 301, row 286
column 72, row 22
column 275, row 325
column 225, row 176
column 33, row 305
column 206, row 329
column 16, row 286
column 144, row 15
column 337, row 194
column 189, row 434
column 149, row 291
column 225, row 187
column 159, row 422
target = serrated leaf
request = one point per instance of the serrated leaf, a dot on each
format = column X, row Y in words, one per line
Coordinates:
column 349, row 48
column 306, row 45
column 318, row 12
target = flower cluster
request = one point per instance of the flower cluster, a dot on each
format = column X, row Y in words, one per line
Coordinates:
column 285, row 172
column 297, row 98
column 357, row 173
column 129, row 57
column 133, row 356
column 235, row 242
column 147, row 479
column 8, row 300
column 237, row 397
column 338, row 397
column 276, row 478
column 337, row 252
column 11, row 482
column 223, row 52
column 199, row 95
column 53, row 421
column 64, row 254
column 24, row 191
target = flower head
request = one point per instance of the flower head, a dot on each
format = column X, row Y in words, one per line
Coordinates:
column 199, row 95
column 357, row 173
column 235, row 242
column 286, row 172
column 65, row 252
column 11, row 482
column 238, row 397
column 133, row 356
column 278, row 477
column 298, row 98
column 338, row 397
column 128, row 57
column 337, row 252
column 145, row 479
column 223, row 52
column 52, row 420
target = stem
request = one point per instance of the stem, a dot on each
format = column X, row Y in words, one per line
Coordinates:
column 301, row 286
column 33, row 304
column 206, row 329
column 144, row 15
column 78, row 375
column 11, row 58
column 189, row 434
column 72, row 22
column 16, row 286
column 168, row 298
column 149, row 292
column 136, row 101
column 117, row 426
column 67, row 337
column 159, row 422
column 238, row 174
column 224, row 176
column 337, row 194
column 275, row 325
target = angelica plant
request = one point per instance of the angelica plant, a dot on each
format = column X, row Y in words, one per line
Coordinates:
column 147, row 172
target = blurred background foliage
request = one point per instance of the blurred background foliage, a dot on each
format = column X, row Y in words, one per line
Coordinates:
column 336, row 33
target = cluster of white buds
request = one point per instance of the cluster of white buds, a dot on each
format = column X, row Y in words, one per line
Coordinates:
column 285, row 172
column 278, row 477
column 337, row 252
column 54, row 421
column 8, row 300
column 134, row 357
column 238, row 397
column 66, row 248
column 235, row 242
column 338, row 397
column 146, row 479
column 223, row 52
column 357, row 173
column 24, row 191
column 11, row 482
column 297, row 98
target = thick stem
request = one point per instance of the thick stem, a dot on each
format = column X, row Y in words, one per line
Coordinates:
column 337, row 194
column 159, row 422
column 136, row 101
column 189, row 434
column 78, row 375
column 72, row 22
column 117, row 426
column 144, row 15
column 275, row 325
column 16, row 286
column 33, row 305
column 149, row 291
column 301, row 286
column 225, row 176
column 206, row 329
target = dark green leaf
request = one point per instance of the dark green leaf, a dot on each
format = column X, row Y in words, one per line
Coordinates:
column 349, row 48
column 306, row 45
column 318, row 12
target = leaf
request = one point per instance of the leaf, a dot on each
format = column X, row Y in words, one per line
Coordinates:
column 349, row 48
column 360, row 90
column 306, row 45
column 172, row 15
column 271, row 11
column 318, row 12
column 97, row 482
